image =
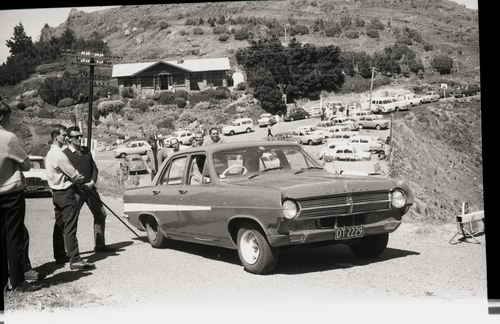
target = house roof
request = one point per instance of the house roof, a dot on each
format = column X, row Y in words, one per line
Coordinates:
column 193, row 65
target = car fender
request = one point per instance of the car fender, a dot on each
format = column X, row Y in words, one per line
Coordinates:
column 240, row 217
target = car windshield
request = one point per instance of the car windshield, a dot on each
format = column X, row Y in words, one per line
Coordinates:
column 253, row 161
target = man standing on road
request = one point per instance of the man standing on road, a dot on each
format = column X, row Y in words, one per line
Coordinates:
column 214, row 137
column 269, row 133
column 62, row 178
column 13, row 233
column 82, row 160
column 165, row 152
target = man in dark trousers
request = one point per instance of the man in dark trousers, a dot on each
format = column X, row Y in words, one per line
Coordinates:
column 63, row 179
column 14, row 259
column 81, row 159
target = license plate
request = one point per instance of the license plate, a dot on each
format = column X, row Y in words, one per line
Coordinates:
column 349, row 232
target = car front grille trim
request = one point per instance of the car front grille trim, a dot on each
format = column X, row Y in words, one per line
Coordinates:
column 344, row 205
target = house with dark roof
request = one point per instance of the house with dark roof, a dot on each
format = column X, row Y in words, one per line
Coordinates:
column 190, row 75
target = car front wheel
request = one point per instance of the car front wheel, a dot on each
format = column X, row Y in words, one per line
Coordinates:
column 370, row 246
column 155, row 237
column 255, row 253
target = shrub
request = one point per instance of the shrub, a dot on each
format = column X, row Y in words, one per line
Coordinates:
column 164, row 24
column 46, row 113
column 352, row 34
column 359, row 22
column 66, row 102
column 139, row 104
column 181, row 94
column 223, row 37
column 183, row 32
column 21, row 105
column 166, row 98
column 222, row 93
column 188, row 117
column 442, row 63
column 428, row 47
column 202, row 105
column 372, row 33
column 220, row 30
column 404, row 40
column 180, row 102
column 299, row 30
column 166, row 123
column 241, row 86
column 333, row 30
column 190, row 22
column 128, row 113
column 242, row 34
column 345, row 21
column 375, row 23
column 127, row 92
column 198, row 31
column 106, row 107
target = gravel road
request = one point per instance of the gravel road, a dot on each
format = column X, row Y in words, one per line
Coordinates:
column 419, row 263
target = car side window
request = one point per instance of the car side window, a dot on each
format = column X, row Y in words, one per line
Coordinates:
column 175, row 174
column 196, row 175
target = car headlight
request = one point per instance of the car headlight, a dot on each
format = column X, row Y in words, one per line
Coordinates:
column 290, row 209
column 398, row 198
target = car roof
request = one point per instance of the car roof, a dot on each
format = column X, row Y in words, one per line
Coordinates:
column 210, row 148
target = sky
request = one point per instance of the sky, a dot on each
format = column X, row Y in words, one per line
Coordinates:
column 33, row 21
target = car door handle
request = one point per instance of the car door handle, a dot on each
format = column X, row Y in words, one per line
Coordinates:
column 156, row 191
column 182, row 191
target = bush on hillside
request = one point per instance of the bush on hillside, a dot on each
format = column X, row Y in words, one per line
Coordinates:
column 241, row 86
column 333, row 30
column 127, row 92
column 222, row 93
column 167, row 98
column 442, row 63
column 352, row 34
column 46, row 113
column 167, row 123
column 112, row 106
column 242, row 34
column 359, row 22
column 187, row 117
column 198, row 31
column 220, row 30
column 372, row 33
column 180, row 102
column 299, row 30
column 139, row 104
column 181, row 94
column 183, row 32
column 376, row 24
column 163, row 24
column 223, row 37
column 428, row 47
column 66, row 102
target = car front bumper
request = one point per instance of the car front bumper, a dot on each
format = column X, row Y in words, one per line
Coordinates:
column 387, row 225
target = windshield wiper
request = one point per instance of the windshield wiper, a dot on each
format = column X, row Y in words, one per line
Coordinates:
column 265, row 170
column 301, row 170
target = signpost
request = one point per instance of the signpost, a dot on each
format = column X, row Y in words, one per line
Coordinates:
column 91, row 59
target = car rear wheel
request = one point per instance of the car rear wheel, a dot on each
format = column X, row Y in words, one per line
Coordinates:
column 370, row 246
column 255, row 253
column 232, row 133
column 122, row 155
column 309, row 142
column 249, row 130
column 377, row 127
column 155, row 237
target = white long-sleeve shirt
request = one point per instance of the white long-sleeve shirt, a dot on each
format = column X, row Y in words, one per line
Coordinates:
column 60, row 171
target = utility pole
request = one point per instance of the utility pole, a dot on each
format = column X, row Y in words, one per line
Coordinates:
column 371, row 89
column 91, row 59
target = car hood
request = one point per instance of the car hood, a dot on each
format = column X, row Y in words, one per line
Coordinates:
column 317, row 183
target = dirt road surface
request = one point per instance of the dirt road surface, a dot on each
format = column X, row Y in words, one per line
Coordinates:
column 419, row 263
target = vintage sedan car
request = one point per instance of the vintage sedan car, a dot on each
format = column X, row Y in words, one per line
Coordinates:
column 373, row 122
column 36, row 178
column 133, row 147
column 297, row 114
column 307, row 138
column 266, row 119
column 343, row 152
column 259, row 197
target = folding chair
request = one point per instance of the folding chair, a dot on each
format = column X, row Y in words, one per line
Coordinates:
column 468, row 226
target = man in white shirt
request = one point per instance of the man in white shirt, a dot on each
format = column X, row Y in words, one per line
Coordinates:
column 62, row 178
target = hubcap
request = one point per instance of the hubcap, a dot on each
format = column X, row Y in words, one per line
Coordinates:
column 249, row 247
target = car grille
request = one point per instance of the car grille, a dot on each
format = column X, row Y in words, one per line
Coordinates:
column 344, row 204
column 36, row 182
column 341, row 221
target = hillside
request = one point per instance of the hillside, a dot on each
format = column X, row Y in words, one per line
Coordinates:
column 159, row 31
column 437, row 148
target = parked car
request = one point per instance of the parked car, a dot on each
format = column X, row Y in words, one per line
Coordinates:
column 308, row 138
column 240, row 125
column 343, row 152
column 133, row 147
column 266, row 119
column 373, row 122
column 407, row 101
column 136, row 165
column 297, row 114
column 184, row 137
column 224, row 195
column 36, row 178
column 366, row 143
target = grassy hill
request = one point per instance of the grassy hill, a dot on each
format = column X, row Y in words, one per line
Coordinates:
column 159, row 31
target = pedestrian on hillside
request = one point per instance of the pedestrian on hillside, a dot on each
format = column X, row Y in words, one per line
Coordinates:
column 62, row 178
column 214, row 137
column 269, row 133
column 81, row 159
column 154, row 149
column 14, row 253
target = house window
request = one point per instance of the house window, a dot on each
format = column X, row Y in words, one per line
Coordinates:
column 179, row 78
column 215, row 78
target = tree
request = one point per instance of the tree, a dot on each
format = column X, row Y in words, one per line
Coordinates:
column 442, row 63
column 20, row 44
column 267, row 92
